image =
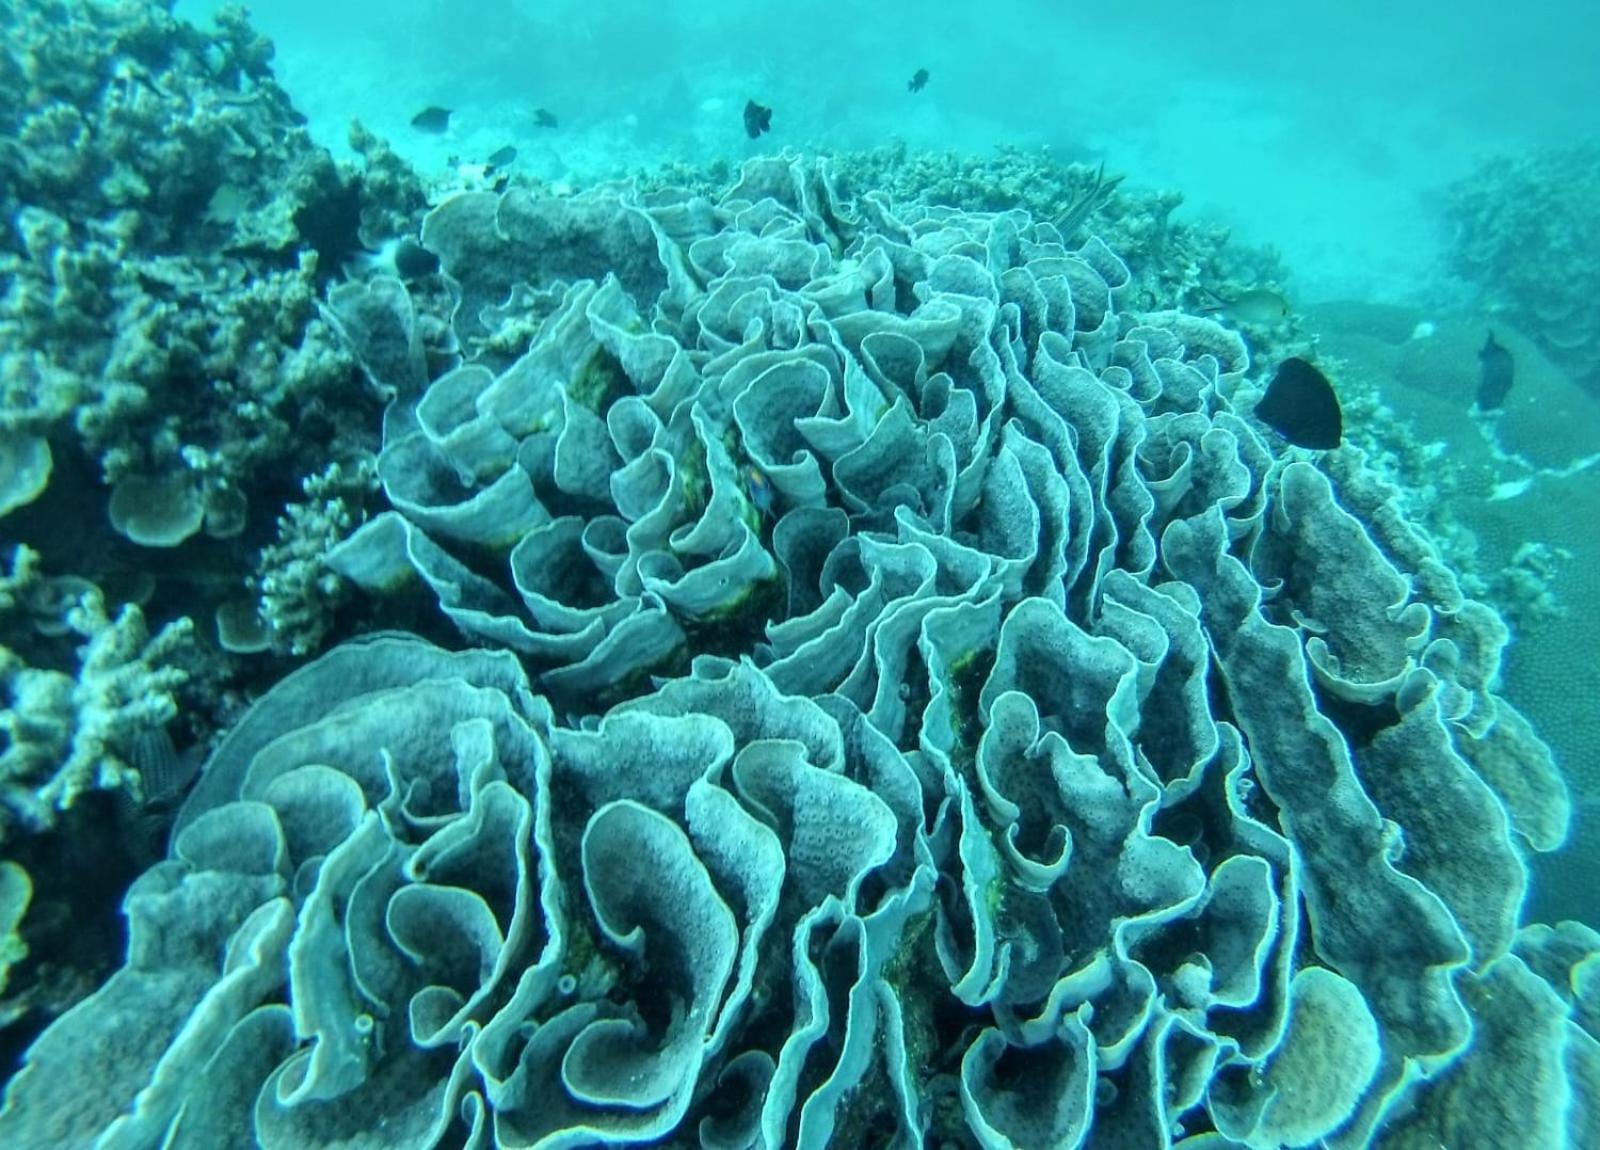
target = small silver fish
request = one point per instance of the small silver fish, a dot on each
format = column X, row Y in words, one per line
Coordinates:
column 1259, row 306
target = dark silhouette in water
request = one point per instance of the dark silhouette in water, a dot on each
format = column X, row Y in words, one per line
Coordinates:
column 433, row 120
column 1495, row 382
column 1300, row 406
column 501, row 157
column 756, row 119
column 413, row 261
column 545, row 118
column 918, row 81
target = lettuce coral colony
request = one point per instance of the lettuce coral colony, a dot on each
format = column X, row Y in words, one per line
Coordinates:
column 1046, row 758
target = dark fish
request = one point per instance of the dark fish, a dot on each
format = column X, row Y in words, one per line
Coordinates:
column 756, row 119
column 1495, row 382
column 163, row 772
column 413, row 261
column 545, row 119
column 433, row 120
column 1300, row 406
column 919, row 81
column 502, row 157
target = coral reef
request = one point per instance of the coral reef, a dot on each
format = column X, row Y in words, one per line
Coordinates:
column 168, row 387
column 1504, row 498
column 165, row 374
column 15, row 892
column 912, row 704
column 295, row 588
column 1526, row 232
column 1174, row 263
column 906, row 698
column 66, row 732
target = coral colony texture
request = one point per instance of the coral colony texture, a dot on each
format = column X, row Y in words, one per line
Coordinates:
column 1512, row 219
column 867, row 681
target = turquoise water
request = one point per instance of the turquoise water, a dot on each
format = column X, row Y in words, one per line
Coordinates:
column 1327, row 134
column 894, row 575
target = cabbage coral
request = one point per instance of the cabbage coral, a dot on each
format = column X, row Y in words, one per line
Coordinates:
column 908, row 701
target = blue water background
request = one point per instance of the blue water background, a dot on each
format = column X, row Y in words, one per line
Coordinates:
column 1325, row 129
